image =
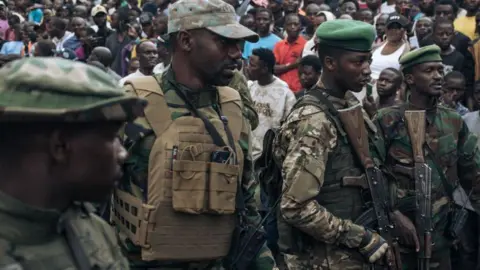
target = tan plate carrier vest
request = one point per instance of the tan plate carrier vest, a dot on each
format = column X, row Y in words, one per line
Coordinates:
column 190, row 210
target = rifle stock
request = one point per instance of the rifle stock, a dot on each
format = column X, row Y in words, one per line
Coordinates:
column 354, row 125
column 416, row 126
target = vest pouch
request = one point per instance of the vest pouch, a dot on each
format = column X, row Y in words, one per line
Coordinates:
column 189, row 186
column 223, row 184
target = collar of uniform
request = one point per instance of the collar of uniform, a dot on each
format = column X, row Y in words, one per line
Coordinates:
column 429, row 112
column 340, row 103
column 24, row 224
column 199, row 98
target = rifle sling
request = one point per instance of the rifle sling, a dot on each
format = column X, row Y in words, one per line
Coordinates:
column 448, row 187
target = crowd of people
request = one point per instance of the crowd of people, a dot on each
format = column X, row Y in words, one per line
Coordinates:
column 200, row 160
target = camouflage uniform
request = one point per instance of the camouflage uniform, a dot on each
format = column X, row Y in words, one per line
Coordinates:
column 312, row 151
column 239, row 83
column 448, row 137
column 72, row 92
column 220, row 19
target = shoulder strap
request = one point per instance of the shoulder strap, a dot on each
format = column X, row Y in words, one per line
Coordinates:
column 157, row 113
column 231, row 104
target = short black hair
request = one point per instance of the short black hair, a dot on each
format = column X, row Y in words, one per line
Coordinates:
column 313, row 61
column 59, row 23
column 290, row 15
column 454, row 75
column 357, row 6
column 448, row 3
column 441, row 21
column 325, row 50
column 246, row 17
column 262, row 9
column 45, row 48
column 399, row 78
column 266, row 56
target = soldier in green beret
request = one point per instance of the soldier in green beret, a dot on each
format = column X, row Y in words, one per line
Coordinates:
column 433, row 165
column 59, row 149
column 317, row 206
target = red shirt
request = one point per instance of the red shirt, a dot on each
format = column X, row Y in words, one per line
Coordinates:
column 287, row 53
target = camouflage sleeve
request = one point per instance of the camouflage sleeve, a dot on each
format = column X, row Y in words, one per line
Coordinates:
column 308, row 137
column 469, row 164
column 239, row 83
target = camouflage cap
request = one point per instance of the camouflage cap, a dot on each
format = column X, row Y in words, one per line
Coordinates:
column 215, row 15
column 55, row 89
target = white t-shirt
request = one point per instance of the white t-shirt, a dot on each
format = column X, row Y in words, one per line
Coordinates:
column 387, row 9
column 59, row 42
column 131, row 76
column 273, row 103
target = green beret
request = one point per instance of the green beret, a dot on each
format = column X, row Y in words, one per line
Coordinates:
column 425, row 54
column 60, row 90
column 346, row 34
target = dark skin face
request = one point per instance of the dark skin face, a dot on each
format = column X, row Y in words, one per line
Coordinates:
column 364, row 16
column 443, row 35
column 401, row 6
column 308, row 76
column 290, row 6
column 219, row 55
column 3, row 13
column 427, row 79
column 249, row 22
column 476, row 95
column 395, row 32
column 351, row 70
column 78, row 27
column 311, row 11
column 380, row 25
column 114, row 22
column 88, row 165
column 147, row 55
column 80, row 11
column 256, row 69
column 274, row 6
column 318, row 20
column 374, row 5
column 262, row 23
column 454, row 89
column 100, row 19
column 388, row 83
column 426, row 6
column 293, row 26
column 471, row 5
column 148, row 29
column 423, row 28
column 348, row 8
column 160, row 25
column 444, row 11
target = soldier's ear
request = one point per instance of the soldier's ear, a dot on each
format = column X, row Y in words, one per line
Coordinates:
column 184, row 40
column 329, row 63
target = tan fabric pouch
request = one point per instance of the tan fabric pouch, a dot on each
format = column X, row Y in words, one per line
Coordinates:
column 223, row 184
column 189, row 185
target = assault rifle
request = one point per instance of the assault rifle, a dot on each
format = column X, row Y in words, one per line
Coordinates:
column 354, row 125
column 423, row 186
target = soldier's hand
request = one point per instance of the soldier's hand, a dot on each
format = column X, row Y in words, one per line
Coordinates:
column 373, row 246
column 369, row 105
column 405, row 230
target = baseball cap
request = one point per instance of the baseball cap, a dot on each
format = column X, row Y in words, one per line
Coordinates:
column 59, row 90
column 98, row 9
column 214, row 15
column 397, row 18
column 145, row 18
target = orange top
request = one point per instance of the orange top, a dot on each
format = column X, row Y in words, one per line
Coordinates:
column 288, row 53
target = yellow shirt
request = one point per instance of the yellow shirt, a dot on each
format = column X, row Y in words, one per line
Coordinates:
column 466, row 25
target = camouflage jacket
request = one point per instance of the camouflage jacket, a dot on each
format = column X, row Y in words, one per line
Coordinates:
column 38, row 239
column 303, row 144
column 454, row 147
column 239, row 83
column 137, row 162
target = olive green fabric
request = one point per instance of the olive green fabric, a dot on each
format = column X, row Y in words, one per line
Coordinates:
column 346, row 34
column 54, row 89
column 425, row 54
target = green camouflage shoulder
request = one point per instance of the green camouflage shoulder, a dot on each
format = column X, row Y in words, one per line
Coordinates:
column 239, row 83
